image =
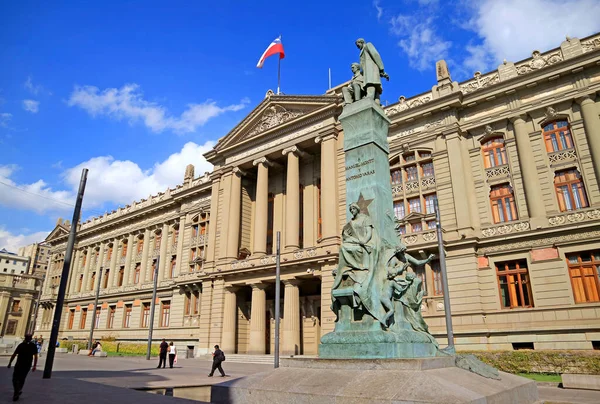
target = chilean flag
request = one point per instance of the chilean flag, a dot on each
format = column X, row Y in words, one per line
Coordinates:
column 276, row 47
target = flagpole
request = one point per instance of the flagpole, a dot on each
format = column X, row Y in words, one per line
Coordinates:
column 279, row 71
column 278, row 74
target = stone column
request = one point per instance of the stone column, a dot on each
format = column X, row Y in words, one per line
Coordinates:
column 459, row 187
column 229, row 320
column 591, row 123
column 261, row 206
column 86, row 269
column 74, row 273
column 291, row 318
column 179, row 257
column 99, row 264
column 235, row 206
column 26, row 316
column 531, row 183
column 127, row 278
column 164, row 257
column 212, row 224
column 112, row 275
column 292, row 199
column 258, row 325
column 329, row 200
column 145, row 275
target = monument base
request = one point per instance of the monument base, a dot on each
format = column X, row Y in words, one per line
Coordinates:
column 425, row 380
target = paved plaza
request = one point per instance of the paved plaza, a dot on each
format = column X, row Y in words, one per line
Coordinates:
column 78, row 379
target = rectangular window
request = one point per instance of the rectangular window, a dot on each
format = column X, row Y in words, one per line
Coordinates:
column 431, row 224
column 123, row 249
column 494, row 153
column 409, row 157
column 401, row 229
column 557, row 136
column 136, row 274
column 145, row 315
column 154, row 269
column 430, row 203
column 16, row 305
column 11, row 327
column 427, row 169
column 187, row 309
column 416, row 227
column 301, row 217
column 109, row 253
column 411, row 173
column 270, row 221
column 513, row 283
column 140, row 245
column 127, row 316
column 97, row 324
column 79, row 283
column 396, row 177
column 172, row 266
column 83, row 319
column 420, row 272
column 71, row 319
column 399, row 210
column 195, row 231
column 92, row 281
column 105, row 279
column 121, row 276
column 414, row 205
column 319, row 216
column 110, row 321
column 175, row 236
column 438, row 289
column 570, row 190
column 503, row 203
column 203, row 227
column 165, row 314
column 583, row 270
column 196, row 303
column 157, row 239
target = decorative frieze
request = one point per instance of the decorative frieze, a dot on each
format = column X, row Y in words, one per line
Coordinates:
column 428, row 182
column 397, row 189
column 546, row 241
column 505, row 229
column 403, row 104
column 427, row 237
column 412, row 187
column 497, row 172
column 479, row 82
column 562, row 156
column 574, row 217
column 241, row 264
column 591, row 44
column 539, row 61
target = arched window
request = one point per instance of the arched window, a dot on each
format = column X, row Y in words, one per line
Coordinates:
column 570, row 190
column 503, row 204
column 557, row 136
column 494, row 153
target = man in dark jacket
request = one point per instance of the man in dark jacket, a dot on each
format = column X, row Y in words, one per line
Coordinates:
column 26, row 353
column 164, row 347
column 218, row 358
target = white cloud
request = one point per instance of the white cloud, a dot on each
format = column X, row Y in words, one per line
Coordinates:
column 128, row 103
column 37, row 196
column 420, row 41
column 12, row 242
column 116, row 182
column 31, row 106
column 33, row 89
column 5, row 117
column 512, row 29
column 378, row 8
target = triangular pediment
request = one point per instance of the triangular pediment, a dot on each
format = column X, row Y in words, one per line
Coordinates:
column 413, row 216
column 275, row 112
column 59, row 231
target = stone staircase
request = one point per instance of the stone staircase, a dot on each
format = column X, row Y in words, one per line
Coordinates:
column 244, row 358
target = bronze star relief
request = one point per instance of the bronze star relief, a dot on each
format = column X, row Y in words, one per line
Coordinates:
column 363, row 204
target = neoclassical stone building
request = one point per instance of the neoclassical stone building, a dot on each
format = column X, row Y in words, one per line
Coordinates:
column 512, row 156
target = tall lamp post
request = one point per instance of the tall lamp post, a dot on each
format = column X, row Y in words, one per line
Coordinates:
column 95, row 309
column 442, row 258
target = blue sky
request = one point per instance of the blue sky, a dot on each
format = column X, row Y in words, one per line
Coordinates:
column 137, row 90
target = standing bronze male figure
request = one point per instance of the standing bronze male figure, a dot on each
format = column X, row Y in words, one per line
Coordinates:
column 372, row 69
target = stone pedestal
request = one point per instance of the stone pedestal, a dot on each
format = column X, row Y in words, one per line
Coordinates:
column 426, row 380
column 367, row 165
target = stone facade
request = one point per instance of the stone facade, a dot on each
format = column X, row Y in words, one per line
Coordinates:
column 17, row 303
column 513, row 157
column 39, row 255
column 11, row 263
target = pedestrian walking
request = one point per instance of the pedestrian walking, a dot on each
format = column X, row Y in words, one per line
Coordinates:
column 218, row 358
column 172, row 354
column 164, row 347
column 26, row 353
